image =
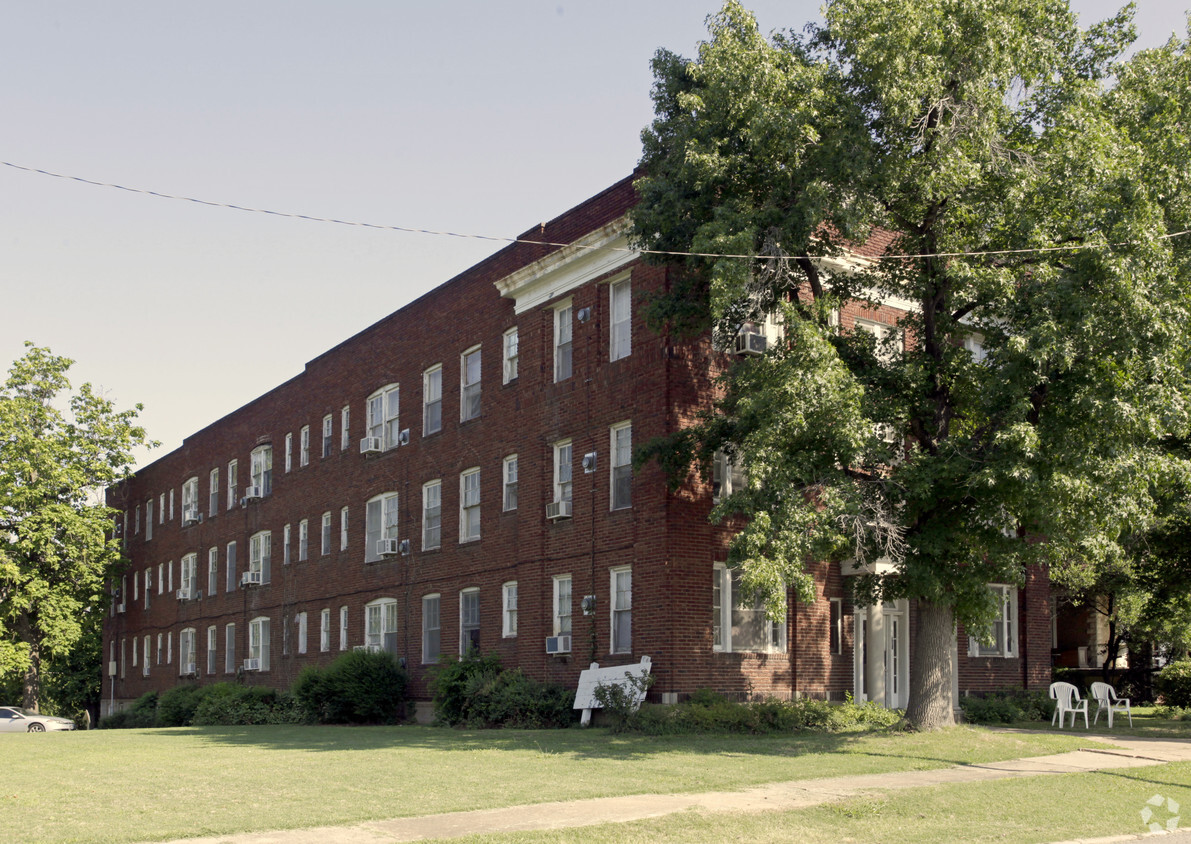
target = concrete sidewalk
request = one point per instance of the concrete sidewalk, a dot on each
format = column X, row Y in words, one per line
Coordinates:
column 1097, row 756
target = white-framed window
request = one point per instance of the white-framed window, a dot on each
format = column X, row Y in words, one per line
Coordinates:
column 301, row 622
column 169, row 648
column 469, row 620
column 160, row 578
column 562, row 471
column 285, row 546
column 138, row 517
column 739, row 622
column 622, row 610
column 161, row 509
column 380, row 625
column 145, row 661
column 258, row 641
column 835, row 626
column 326, row 533
column 345, row 423
column 212, row 494
column 190, row 511
column 148, row 519
column 303, row 539
column 562, row 341
column 562, row 605
column 160, row 648
column 212, row 649
column 324, row 630
column 431, row 514
column 620, row 305
column 233, row 468
column 171, row 504
column 726, row 477
column 169, row 568
column 432, row 400
column 230, row 565
column 621, row 449
column 343, row 529
column 510, row 482
column 212, row 570
column 383, row 421
column 510, row 355
column 229, row 649
column 380, row 522
column 262, row 469
column 343, row 628
column 431, row 629
column 508, row 593
column 260, row 553
column 289, row 451
column 890, row 341
column 469, row 384
column 134, row 652
column 469, row 505
column 189, row 575
column 188, row 652
column 304, row 446
column 328, row 435
column 1003, row 641
column 148, row 584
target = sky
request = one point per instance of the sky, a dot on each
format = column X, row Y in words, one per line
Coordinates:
column 469, row 116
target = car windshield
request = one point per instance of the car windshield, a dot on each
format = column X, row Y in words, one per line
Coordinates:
column 20, row 711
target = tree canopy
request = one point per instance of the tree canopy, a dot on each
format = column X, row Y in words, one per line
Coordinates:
column 1027, row 187
column 57, row 544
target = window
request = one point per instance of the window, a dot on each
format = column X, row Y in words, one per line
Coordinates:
column 160, row 578
column 161, row 507
column 160, row 649
column 343, row 628
column 510, row 482
column 469, row 505
column 383, row 422
column 285, row 546
column 622, row 610
column 469, row 384
column 326, row 543
column 739, row 620
column 510, row 356
column 343, row 529
column 380, row 523
column 622, row 466
column 328, row 431
column 301, row 622
column 289, row 449
column 562, row 605
column 258, row 642
column 212, row 652
column 509, row 609
column 148, row 519
column 890, row 343
column 145, row 662
column 469, row 621
column 726, row 477
column 562, row 471
column 835, row 635
column 231, row 567
column 345, row 421
column 187, row 652
column 303, row 539
column 232, row 483
column 212, row 495
column 304, row 446
column 229, row 649
column 123, row 647
column 260, row 552
column 148, row 585
column 190, row 513
column 562, row 342
column 189, row 576
column 431, row 515
column 620, row 299
column 138, row 515
column 431, row 629
column 134, row 651
column 169, row 648
column 432, row 400
column 169, row 567
column 212, row 571
column 324, row 631
column 380, row 625
column 1003, row 635
column 261, row 467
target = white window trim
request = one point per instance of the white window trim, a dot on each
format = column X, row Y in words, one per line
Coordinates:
column 465, row 506
column 615, row 646
column 389, row 513
column 233, row 480
column 260, row 641
column 623, row 283
column 343, row 526
column 436, row 598
column 510, row 358
column 508, row 609
column 428, row 401
column 564, row 315
column 304, row 446
column 324, row 630
column 564, row 490
column 261, row 468
column 1006, row 625
column 466, row 595
column 775, row 632
column 426, row 487
column 343, row 628
column 556, row 607
column 375, row 639
column 345, row 421
column 325, row 534
column 465, row 385
column 509, row 463
column 613, row 456
column 382, row 415
column 289, row 452
column 328, row 444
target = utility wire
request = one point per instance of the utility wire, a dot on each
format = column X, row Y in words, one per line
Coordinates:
column 528, row 242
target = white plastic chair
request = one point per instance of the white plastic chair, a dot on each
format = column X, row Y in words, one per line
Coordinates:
column 1067, row 700
column 1107, row 700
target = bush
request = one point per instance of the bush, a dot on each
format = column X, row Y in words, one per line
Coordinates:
column 1174, row 684
column 232, row 705
column 476, row 692
column 142, row 713
column 1007, row 706
column 709, row 712
column 175, row 707
column 360, row 687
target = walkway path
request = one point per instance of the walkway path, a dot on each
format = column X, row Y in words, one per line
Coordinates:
column 1130, row 753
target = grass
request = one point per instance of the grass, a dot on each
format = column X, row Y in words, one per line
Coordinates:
column 144, row 785
column 1147, row 723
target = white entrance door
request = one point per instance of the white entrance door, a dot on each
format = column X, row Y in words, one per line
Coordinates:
column 881, row 659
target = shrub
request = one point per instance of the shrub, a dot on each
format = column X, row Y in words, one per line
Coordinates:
column 1174, row 684
column 619, row 700
column 142, row 713
column 360, row 687
column 1007, row 706
column 476, row 692
column 232, row 705
column 175, row 707
column 709, row 712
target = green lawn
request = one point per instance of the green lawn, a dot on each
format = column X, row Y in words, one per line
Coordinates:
column 1146, row 724
column 139, row 785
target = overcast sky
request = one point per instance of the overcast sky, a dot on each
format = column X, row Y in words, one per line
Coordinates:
column 477, row 117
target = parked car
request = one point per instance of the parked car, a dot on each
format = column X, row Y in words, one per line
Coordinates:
column 13, row 719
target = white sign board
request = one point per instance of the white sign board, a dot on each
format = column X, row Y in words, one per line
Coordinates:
column 621, row 675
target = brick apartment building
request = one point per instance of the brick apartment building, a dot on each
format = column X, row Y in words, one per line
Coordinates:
column 459, row 474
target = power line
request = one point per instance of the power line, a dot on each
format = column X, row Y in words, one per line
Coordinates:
column 527, row 242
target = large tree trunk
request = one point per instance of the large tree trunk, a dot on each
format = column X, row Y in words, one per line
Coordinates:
column 31, row 686
column 931, row 706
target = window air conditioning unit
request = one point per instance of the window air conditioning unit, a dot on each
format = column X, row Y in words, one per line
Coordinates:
column 556, row 510
column 252, row 493
column 750, row 344
column 183, row 594
column 370, row 445
column 250, row 578
column 388, row 547
column 589, row 462
column 119, row 607
column 359, row 647
column 192, row 519
column 558, row 644
column 252, row 665
column 190, row 668
column 403, row 437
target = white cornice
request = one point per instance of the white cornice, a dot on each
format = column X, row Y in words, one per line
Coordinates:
column 602, row 251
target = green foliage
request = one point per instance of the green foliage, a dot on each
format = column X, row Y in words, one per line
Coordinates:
column 142, row 713
column 176, row 706
column 475, row 691
column 1007, row 706
column 230, row 704
column 1173, row 683
column 708, row 712
column 620, row 700
column 360, row 687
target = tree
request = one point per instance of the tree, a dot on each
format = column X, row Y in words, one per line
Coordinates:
column 1011, row 158
column 57, row 543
